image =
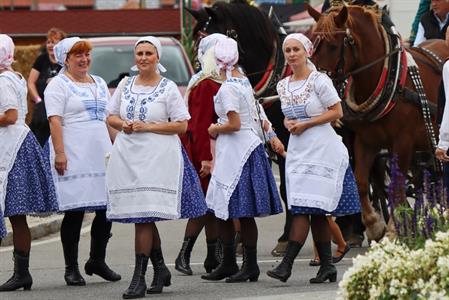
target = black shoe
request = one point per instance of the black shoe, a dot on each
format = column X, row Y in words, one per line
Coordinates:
column 327, row 270
column 182, row 262
column 21, row 277
column 138, row 285
column 72, row 273
column 162, row 276
column 314, row 262
column 214, row 253
column 284, row 270
column 96, row 263
column 250, row 270
column 336, row 259
column 227, row 267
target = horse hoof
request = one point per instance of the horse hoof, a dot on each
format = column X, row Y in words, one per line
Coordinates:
column 376, row 230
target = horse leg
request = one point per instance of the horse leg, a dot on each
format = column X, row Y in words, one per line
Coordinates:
column 364, row 158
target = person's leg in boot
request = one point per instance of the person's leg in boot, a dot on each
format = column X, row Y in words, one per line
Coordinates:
column 214, row 251
column 298, row 236
column 21, row 277
column 322, row 238
column 162, row 275
column 142, row 243
column 70, row 237
column 100, row 234
column 316, row 259
column 193, row 229
column 238, row 237
column 250, row 270
column 337, row 237
column 228, row 266
column 281, row 246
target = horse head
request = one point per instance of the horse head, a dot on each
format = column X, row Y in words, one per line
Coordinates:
column 245, row 23
column 345, row 39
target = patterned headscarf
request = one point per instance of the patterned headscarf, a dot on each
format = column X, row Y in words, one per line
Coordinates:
column 156, row 43
column 6, row 51
column 206, row 44
column 62, row 48
column 226, row 55
column 308, row 46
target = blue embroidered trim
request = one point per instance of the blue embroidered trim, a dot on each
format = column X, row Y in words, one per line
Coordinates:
column 243, row 81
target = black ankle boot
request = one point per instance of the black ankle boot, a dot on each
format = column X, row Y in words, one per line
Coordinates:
column 162, row 275
column 182, row 262
column 21, row 277
column 138, row 286
column 213, row 255
column 228, row 265
column 283, row 271
column 250, row 270
column 327, row 269
column 72, row 273
column 96, row 263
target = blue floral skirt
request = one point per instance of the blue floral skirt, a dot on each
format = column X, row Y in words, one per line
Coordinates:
column 256, row 194
column 193, row 204
column 349, row 201
column 30, row 189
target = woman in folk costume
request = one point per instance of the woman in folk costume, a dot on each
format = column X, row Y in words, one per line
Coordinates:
column 317, row 169
column 76, row 108
column 150, row 177
column 242, row 184
column 26, row 185
column 200, row 92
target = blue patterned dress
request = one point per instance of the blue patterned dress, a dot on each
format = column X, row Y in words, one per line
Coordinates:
column 319, row 178
column 242, row 183
column 150, row 177
column 29, row 184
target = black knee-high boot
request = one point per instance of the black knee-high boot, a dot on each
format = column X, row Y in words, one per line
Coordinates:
column 96, row 263
column 162, row 275
column 327, row 269
column 284, row 270
column 72, row 273
column 21, row 277
column 228, row 266
column 182, row 262
column 138, row 285
column 250, row 270
column 213, row 258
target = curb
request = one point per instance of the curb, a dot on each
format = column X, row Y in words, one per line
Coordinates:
column 41, row 229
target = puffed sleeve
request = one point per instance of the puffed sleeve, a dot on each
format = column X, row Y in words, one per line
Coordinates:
column 176, row 106
column 229, row 96
column 327, row 94
column 8, row 97
column 55, row 97
column 115, row 101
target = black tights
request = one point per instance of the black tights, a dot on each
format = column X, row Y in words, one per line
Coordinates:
column 318, row 223
column 20, row 234
column 71, row 226
column 248, row 231
column 146, row 238
column 208, row 221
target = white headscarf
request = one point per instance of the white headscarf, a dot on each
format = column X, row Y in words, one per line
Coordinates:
column 62, row 48
column 307, row 44
column 6, row 52
column 206, row 44
column 226, row 55
column 156, row 43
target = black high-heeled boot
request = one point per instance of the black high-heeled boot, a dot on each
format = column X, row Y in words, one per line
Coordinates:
column 162, row 275
column 182, row 262
column 228, row 265
column 21, row 277
column 250, row 270
column 72, row 273
column 96, row 263
column 138, row 286
column 327, row 270
column 284, row 270
column 213, row 255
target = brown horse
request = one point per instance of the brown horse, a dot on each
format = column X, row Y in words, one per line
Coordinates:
column 349, row 40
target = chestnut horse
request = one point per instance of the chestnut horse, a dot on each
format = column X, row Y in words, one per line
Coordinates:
column 350, row 42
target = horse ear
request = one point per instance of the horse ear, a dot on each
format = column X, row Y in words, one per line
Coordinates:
column 342, row 17
column 193, row 13
column 312, row 12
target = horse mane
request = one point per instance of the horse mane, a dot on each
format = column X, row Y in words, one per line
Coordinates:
column 326, row 25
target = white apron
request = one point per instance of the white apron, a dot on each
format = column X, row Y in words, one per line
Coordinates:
column 12, row 136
